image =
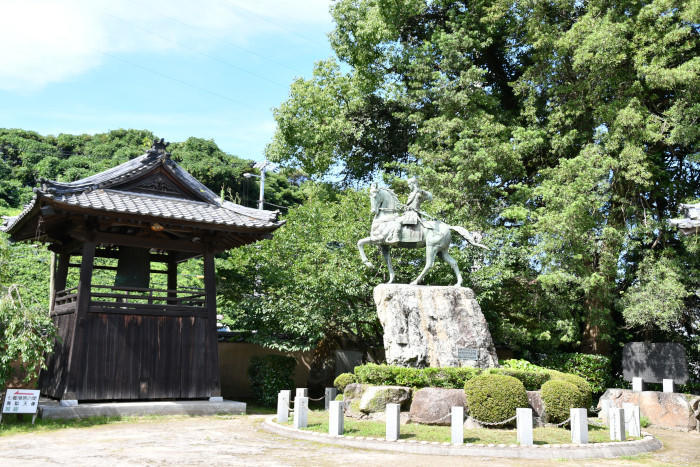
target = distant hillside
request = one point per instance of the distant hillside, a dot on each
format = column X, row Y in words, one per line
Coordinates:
column 26, row 157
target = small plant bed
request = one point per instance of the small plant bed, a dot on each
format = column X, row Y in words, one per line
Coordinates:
column 318, row 421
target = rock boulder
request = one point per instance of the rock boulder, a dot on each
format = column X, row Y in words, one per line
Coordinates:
column 433, row 406
column 669, row 410
column 375, row 398
column 426, row 325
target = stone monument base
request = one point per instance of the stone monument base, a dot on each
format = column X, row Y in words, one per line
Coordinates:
column 429, row 326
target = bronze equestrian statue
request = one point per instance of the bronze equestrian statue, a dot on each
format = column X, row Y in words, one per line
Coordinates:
column 412, row 229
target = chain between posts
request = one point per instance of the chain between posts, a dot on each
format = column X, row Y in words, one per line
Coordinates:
column 495, row 423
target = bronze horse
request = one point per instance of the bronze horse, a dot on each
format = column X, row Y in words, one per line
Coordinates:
column 434, row 235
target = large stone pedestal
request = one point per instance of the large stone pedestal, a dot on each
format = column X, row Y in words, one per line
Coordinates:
column 428, row 326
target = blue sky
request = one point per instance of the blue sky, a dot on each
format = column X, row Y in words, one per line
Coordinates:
column 209, row 68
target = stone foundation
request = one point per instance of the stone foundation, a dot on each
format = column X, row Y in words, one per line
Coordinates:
column 424, row 326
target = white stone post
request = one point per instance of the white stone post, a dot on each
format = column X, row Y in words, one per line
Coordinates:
column 336, row 422
column 301, row 411
column 617, row 424
column 579, row 426
column 302, row 392
column 523, row 418
column 330, row 396
column 669, row 386
column 457, row 425
column 632, row 422
column 393, row 416
column 283, row 406
column 605, row 406
column 637, row 384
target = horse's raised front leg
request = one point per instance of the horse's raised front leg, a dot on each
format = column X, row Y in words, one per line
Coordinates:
column 361, row 246
column 387, row 259
column 430, row 252
column 453, row 264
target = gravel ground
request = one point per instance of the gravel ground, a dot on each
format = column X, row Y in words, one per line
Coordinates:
column 241, row 440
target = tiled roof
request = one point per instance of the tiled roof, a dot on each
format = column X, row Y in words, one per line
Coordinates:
column 101, row 192
column 170, row 208
column 691, row 224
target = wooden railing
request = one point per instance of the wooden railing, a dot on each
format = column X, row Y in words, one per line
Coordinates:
column 135, row 300
column 66, row 301
column 146, row 301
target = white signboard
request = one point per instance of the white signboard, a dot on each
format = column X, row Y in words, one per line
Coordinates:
column 21, row 401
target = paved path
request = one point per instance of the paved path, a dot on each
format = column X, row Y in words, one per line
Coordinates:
column 242, row 441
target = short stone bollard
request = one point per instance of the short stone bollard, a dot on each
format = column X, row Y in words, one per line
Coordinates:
column 393, row 419
column 336, row 421
column 302, row 392
column 301, row 411
column 579, row 426
column 669, row 386
column 616, row 419
column 605, row 406
column 632, row 421
column 457, row 424
column 329, row 396
column 637, row 384
column 523, row 418
column 283, row 406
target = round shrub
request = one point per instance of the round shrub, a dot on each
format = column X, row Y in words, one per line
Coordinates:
column 269, row 374
column 559, row 396
column 494, row 398
column 581, row 384
column 339, row 397
column 343, row 380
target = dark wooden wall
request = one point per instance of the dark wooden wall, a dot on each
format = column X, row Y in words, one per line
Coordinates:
column 122, row 352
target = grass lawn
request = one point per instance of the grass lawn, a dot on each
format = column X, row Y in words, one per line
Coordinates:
column 318, row 421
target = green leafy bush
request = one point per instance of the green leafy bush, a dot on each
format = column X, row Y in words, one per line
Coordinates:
column 493, row 397
column 644, row 421
column 580, row 383
column 339, row 397
column 524, row 365
column 596, row 369
column 532, row 380
column 454, row 378
column 269, row 374
column 343, row 380
column 26, row 336
column 559, row 396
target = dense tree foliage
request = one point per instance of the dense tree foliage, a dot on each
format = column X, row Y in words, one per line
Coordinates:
column 26, row 157
column 566, row 130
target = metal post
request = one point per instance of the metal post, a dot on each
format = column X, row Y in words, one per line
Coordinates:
column 262, row 187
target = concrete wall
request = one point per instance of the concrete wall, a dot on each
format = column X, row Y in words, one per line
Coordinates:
column 234, row 359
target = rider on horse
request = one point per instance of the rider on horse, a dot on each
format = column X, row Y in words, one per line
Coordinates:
column 412, row 216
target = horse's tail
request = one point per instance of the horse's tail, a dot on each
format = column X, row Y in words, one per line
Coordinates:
column 468, row 236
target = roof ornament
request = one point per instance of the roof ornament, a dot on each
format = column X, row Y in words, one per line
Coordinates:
column 159, row 147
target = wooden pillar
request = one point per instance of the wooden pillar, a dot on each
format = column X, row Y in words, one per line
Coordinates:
column 172, row 279
column 59, row 276
column 52, row 282
column 77, row 356
column 212, row 341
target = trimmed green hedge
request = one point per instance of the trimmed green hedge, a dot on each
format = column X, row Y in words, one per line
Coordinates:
column 595, row 369
column 559, row 396
column 532, row 380
column 494, row 397
column 389, row 375
column 269, row 374
column 343, row 380
column 581, row 384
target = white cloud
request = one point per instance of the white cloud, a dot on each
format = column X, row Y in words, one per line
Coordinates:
column 45, row 41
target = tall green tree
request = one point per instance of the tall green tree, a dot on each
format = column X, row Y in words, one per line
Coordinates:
column 564, row 129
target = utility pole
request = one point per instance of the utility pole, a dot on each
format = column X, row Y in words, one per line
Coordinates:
column 262, row 166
